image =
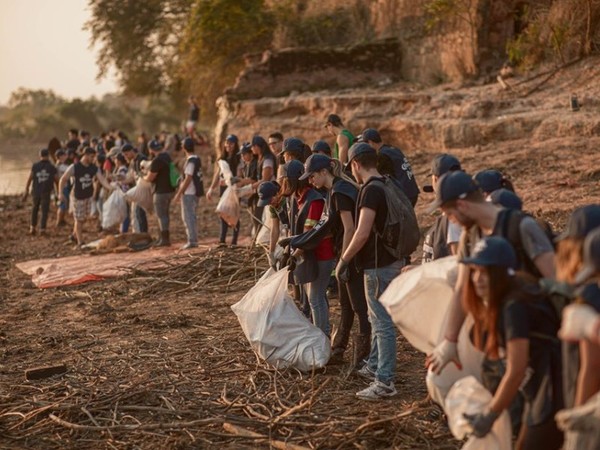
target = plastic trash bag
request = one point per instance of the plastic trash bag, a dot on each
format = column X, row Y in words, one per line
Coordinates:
column 276, row 329
column 471, row 359
column 228, row 207
column 225, row 171
column 417, row 301
column 264, row 234
column 245, row 191
column 141, row 194
column 468, row 396
column 114, row 210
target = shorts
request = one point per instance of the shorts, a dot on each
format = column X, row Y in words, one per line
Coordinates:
column 82, row 208
column 190, row 124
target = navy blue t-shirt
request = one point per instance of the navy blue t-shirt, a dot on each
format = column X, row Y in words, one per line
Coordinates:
column 44, row 173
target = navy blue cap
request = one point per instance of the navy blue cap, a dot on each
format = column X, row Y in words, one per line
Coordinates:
column 266, row 191
column 582, row 221
column 127, row 147
column 360, row 148
column 293, row 169
column 493, row 251
column 44, row 153
column 155, row 145
column 232, row 138
column 591, row 256
column 293, row 144
column 89, row 151
column 453, row 185
column 321, row 146
column 444, row 163
column 246, row 148
column 314, row 163
column 188, row 144
column 507, row 199
column 370, row 134
column 60, row 152
column 260, row 141
column 489, row 180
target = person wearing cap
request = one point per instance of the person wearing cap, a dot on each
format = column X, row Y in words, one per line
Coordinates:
column 459, row 198
column 193, row 114
column 266, row 171
column 268, row 195
column 43, row 176
column 442, row 238
column 134, row 160
column 318, row 262
column 321, row 147
column 513, row 318
column 124, row 180
column 379, row 266
column 343, row 137
column 342, row 193
column 392, row 161
column 160, row 175
column 506, row 198
column 61, row 168
column 83, row 172
column 293, row 148
column 490, row 180
column 232, row 155
column 189, row 192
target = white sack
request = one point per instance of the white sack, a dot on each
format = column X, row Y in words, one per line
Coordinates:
column 245, row 191
column 228, row 207
column 468, row 396
column 264, row 234
column 276, row 329
column 417, row 301
column 141, row 194
column 114, row 210
column 225, row 171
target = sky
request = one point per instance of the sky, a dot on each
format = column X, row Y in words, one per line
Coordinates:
column 43, row 46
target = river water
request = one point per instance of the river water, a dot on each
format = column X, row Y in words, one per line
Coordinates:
column 16, row 159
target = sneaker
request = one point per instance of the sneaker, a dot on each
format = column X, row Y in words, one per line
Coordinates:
column 377, row 390
column 188, row 246
column 31, row 231
column 221, row 245
column 366, row 372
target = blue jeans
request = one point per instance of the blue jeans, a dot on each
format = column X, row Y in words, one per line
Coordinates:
column 161, row 207
column 382, row 359
column 317, row 296
column 189, row 203
column 141, row 219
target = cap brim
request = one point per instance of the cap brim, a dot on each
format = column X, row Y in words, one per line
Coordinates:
column 305, row 175
column 433, row 206
column 263, row 201
column 476, row 261
column 584, row 274
column 428, row 188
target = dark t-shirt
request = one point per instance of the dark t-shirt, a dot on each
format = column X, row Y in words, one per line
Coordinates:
column 373, row 254
column 43, row 173
column 160, row 166
column 535, row 319
column 194, row 112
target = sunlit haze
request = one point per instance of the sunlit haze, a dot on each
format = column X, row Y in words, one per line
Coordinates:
column 43, row 46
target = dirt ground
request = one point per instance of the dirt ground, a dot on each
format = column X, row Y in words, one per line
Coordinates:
column 157, row 359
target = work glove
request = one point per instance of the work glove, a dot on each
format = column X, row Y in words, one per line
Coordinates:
column 444, row 353
column 579, row 322
column 582, row 418
column 481, row 423
column 284, row 242
column 234, row 180
column 342, row 271
column 272, row 260
column 292, row 264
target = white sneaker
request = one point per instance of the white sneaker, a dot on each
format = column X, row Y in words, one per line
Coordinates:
column 365, row 372
column 377, row 390
column 188, row 246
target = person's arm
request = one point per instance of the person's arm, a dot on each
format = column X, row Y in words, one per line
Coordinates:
column 348, row 223
column 545, row 264
column 361, row 235
column 64, row 180
column 274, row 236
column 538, row 247
column 104, row 182
column 151, row 176
column 517, row 356
column 184, row 185
column 214, row 182
column 588, row 381
column 267, row 175
column 343, row 145
column 28, row 186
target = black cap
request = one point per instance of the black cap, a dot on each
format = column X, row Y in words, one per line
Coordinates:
column 444, row 163
column 321, row 147
column 334, row 120
column 360, row 148
column 60, row 152
column 453, row 185
column 507, row 199
column 293, row 169
column 582, row 221
column 493, row 251
column 266, row 191
column 44, row 153
column 155, row 145
column 232, row 138
column 294, row 145
column 314, row 163
column 188, row 144
column 127, row 147
column 89, row 151
column 489, row 180
column 260, row 141
column 246, row 148
column 370, row 134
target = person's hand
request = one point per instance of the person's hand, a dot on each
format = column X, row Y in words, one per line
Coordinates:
column 342, row 271
column 234, row 180
column 291, row 264
column 481, row 423
column 444, row 353
column 177, row 197
column 284, row 242
column 407, row 268
column 209, row 194
column 579, row 322
column 272, row 260
column 581, row 418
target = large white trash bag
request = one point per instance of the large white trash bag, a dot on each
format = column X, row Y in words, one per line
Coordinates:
column 468, row 396
column 264, row 234
column 470, row 357
column 228, row 207
column 225, row 171
column 141, row 194
column 417, row 301
column 276, row 329
column 114, row 210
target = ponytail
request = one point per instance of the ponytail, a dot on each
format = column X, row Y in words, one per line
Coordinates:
column 337, row 170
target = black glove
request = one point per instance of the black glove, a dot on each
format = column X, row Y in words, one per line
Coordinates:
column 284, row 242
column 481, row 423
column 342, row 271
column 292, row 264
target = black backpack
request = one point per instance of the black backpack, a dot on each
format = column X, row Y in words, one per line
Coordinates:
column 391, row 161
column 401, row 234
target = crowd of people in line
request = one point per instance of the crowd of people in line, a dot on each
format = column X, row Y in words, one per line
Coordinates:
column 345, row 213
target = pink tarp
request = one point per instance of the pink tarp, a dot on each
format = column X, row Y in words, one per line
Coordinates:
column 70, row 270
